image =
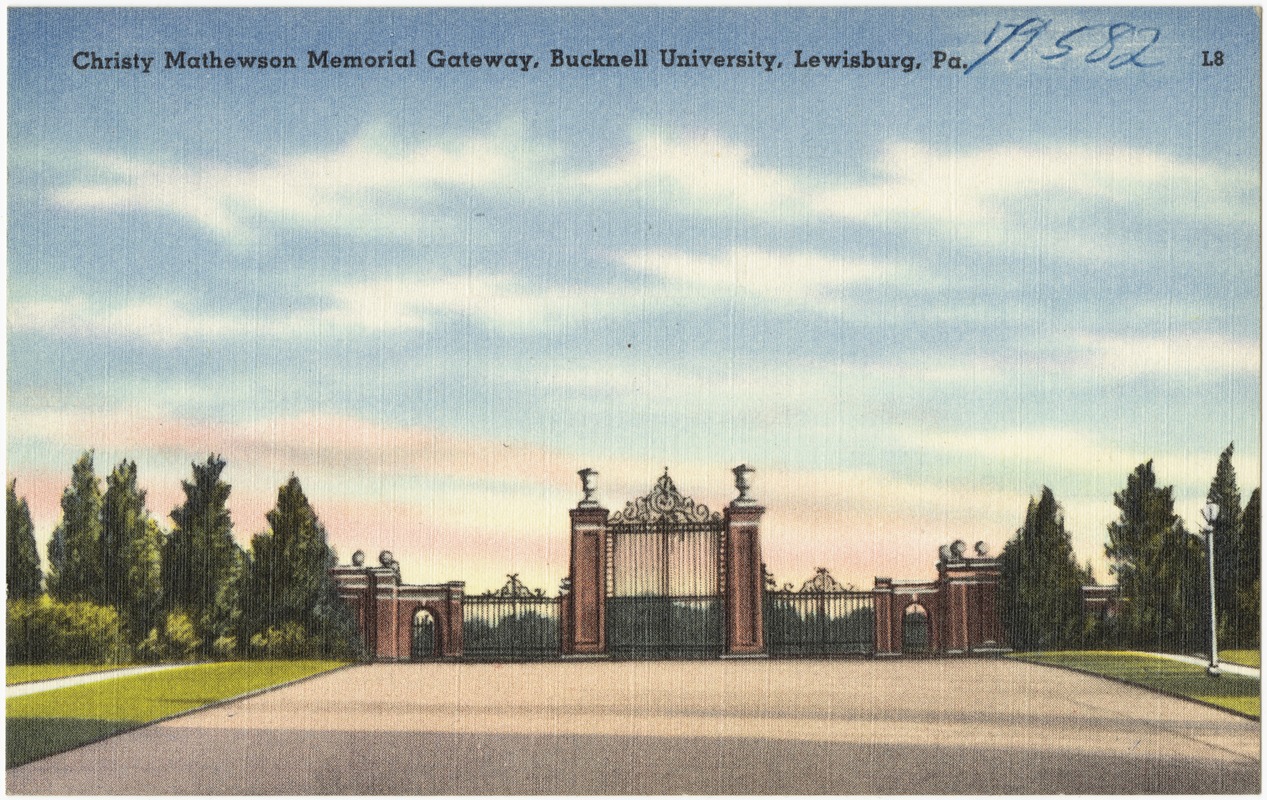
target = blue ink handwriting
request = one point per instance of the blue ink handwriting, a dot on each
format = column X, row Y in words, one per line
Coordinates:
column 1115, row 45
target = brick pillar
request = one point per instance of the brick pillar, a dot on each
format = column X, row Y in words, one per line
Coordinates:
column 452, row 644
column 369, row 610
column 745, row 631
column 586, row 632
column 882, row 600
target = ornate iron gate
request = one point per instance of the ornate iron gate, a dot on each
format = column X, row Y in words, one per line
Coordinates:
column 422, row 644
column 916, row 638
column 665, row 578
column 514, row 623
column 823, row 618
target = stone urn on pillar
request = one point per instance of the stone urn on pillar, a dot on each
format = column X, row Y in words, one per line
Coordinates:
column 585, row 623
column 745, row 630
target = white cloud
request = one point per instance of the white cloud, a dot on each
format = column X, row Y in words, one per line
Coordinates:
column 1196, row 355
column 999, row 198
column 760, row 273
column 501, row 301
column 703, row 174
column 983, row 186
column 358, row 189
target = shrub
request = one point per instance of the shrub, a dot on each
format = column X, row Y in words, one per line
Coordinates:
column 285, row 641
column 176, row 641
column 48, row 631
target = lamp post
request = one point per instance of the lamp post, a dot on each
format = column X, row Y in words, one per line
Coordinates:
column 1211, row 513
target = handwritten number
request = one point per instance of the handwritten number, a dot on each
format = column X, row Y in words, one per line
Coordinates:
column 993, row 31
column 1109, row 44
column 1133, row 58
column 1061, row 43
column 1016, row 32
column 1120, row 46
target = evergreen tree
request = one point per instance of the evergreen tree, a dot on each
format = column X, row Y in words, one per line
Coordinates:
column 290, row 585
column 1227, row 560
column 131, row 552
column 74, row 553
column 202, row 566
column 22, row 569
column 1041, row 581
column 1160, row 569
column 1248, row 592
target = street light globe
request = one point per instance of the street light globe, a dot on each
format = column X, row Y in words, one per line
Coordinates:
column 1210, row 513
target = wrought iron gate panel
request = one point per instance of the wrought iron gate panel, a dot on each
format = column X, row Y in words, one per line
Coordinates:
column 664, row 580
column 422, row 642
column 664, row 597
column 916, row 633
column 511, row 624
column 665, row 559
column 665, row 627
column 823, row 618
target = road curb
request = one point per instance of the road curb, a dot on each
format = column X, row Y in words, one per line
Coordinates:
column 1155, row 690
column 186, row 712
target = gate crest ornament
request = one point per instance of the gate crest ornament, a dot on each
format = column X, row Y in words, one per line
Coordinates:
column 515, row 588
column 664, row 502
column 822, row 582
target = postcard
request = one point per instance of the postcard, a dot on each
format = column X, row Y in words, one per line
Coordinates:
column 641, row 400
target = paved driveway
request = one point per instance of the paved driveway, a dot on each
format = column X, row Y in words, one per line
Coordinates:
column 731, row 727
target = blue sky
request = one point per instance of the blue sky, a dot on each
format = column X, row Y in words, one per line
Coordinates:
column 910, row 300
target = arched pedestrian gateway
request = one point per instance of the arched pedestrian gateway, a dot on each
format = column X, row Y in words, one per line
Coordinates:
column 666, row 577
column 423, row 643
column 916, row 631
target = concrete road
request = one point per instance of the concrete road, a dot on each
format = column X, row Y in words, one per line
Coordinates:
column 719, row 727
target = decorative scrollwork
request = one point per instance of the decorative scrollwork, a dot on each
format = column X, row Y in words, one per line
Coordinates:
column 515, row 588
column 664, row 502
column 822, row 582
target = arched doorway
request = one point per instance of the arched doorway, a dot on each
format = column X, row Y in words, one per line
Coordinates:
column 915, row 629
column 422, row 644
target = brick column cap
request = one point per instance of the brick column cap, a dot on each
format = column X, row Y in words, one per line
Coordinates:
column 745, row 512
column 591, row 514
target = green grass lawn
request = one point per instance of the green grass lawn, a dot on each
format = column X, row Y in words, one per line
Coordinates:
column 25, row 673
column 1235, row 692
column 1246, row 658
column 41, row 724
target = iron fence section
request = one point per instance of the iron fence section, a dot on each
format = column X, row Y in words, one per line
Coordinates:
column 501, row 628
column 810, row 623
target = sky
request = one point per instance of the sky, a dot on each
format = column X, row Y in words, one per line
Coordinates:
column 908, row 298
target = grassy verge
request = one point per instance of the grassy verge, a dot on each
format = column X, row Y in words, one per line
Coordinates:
column 1234, row 692
column 25, row 673
column 39, row 725
column 1246, row 658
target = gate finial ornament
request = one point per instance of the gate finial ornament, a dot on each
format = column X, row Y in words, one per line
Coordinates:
column 587, row 486
column 741, row 483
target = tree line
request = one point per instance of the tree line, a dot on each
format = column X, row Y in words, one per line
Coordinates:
column 118, row 587
column 1159, row 566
